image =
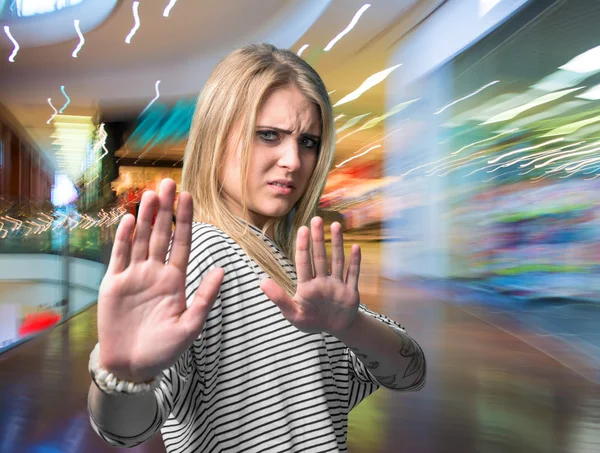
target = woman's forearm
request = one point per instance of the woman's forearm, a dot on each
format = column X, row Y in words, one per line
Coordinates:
column 392, row 356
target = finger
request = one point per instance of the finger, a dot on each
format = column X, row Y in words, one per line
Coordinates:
column 303, row 263
column 192, row 319
column 279, row 297
column 119, row 257
column 180, row 249
column 354, row 267
column 162, row 231
column 143, row 227
column 337, row 251
column 318, row 247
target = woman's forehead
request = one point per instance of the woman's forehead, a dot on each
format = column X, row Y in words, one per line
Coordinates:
column 288, row 109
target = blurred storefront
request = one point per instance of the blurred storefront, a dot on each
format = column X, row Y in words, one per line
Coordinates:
column 502, row 152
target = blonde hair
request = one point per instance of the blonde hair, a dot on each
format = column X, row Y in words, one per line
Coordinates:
column 234, row 94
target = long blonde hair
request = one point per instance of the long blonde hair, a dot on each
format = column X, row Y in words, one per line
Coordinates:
column 234, row 93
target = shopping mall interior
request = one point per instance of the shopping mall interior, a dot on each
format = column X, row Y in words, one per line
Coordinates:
column 467, row 141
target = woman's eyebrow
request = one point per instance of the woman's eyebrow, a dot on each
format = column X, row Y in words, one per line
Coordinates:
column 285, row 131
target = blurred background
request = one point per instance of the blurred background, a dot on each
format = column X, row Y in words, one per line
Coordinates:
column 467, row 168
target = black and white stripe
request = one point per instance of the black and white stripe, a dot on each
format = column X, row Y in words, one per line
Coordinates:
column 252, row 382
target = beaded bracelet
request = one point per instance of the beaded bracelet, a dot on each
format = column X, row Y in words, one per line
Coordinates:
column 110, row 384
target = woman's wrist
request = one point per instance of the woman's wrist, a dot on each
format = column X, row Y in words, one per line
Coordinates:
column 113, row 385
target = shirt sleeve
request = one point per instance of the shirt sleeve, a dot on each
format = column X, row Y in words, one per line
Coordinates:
column 176, row 378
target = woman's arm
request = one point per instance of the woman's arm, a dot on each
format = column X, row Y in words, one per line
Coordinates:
column 390, row 354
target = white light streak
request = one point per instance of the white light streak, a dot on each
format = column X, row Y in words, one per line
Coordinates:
column 522, row 150
column 101, row 143
column 12, row 56
column 168, row 8
column 482, row 141
column 136, row 17
column 348, row 28
column 155, row 97
column 358, row 155
column 467, row 96
column 53, row 108
column 571, row 154
column 510, row 114
column 351, row 122
column 81, row 38
column 588, row 61
column 369, row 83
column 302, row 49
column 546, row 154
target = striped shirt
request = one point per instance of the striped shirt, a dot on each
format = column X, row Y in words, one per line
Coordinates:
column 252, row 382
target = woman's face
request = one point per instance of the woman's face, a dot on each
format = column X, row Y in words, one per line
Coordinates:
column 282, row 157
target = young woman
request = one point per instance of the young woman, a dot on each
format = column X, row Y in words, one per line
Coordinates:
column 229, row 346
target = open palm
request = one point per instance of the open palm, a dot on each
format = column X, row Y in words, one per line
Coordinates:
column 324, row 302
column 143, row 322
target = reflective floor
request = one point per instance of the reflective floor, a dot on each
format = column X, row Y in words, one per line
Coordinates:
column 488, row 389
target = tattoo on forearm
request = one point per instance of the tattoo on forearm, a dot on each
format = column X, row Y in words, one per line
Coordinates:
column 365, row 359
column 416, row 367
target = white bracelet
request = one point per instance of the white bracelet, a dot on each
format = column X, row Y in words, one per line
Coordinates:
column 109, row 383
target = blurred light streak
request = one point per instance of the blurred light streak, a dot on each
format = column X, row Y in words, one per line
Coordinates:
column 136, row 26
column 502, row 174
column 584, row 163
column 339, row 117
column 467, row 96
column 546, row 98
column 358, row 155
column 559, row 80
column 2, row 230
column 155, row 97
column 557, row 156
column 302, row 49
column 168, row 8
column 55, row 111
column 81, row 39
column 351, row 122
column 348, row 28
column 588, row 61
column 541, row 155
column 62, row 88
column 12, row 56
column 593, row 94
column 572, row 127
column 339, row 140
column 522, row 150
column 369, row 83
column 453, row 166
column 483, row 141
column 100, row 143
column 394, row 110
column 373, row 141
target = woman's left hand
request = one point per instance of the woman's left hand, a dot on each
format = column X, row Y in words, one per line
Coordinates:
column 324, row 302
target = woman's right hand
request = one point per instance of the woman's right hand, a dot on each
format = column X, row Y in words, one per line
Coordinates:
column 143, row 323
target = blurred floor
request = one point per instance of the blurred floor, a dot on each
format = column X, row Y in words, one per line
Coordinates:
column 488, row 390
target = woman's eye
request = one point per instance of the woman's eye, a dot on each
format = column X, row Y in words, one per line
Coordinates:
column 309, row 142
column 268, row 136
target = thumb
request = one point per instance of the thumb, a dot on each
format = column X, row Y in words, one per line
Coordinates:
column 280, row 298
column 194, row 317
